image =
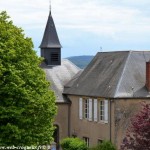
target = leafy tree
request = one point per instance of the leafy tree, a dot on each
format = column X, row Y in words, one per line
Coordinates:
column 73, row 144
column 105, row 145
column 138, row 134
column 27, row 105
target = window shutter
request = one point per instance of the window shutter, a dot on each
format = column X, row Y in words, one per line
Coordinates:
column 95, row 109
column 106, row 111
column 90, row 109
column 80, row 108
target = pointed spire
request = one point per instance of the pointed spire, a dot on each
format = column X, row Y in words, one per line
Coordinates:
column 50, row 37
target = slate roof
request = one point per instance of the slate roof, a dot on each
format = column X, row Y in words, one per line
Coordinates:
column 113, row 75
column 50, row 37
column 59, row 76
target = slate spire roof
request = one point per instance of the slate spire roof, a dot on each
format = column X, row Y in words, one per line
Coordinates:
column 113, row 75
column 50, row 38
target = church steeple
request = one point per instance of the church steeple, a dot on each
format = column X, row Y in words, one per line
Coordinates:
column 50, row 45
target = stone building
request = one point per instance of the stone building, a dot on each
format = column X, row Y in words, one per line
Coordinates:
column 97, row 103
column 107, row 94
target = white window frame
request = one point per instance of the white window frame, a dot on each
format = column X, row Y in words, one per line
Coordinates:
column 103, row 111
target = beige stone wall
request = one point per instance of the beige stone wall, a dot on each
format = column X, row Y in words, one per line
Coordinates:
column 123, row 111
column 84, row 128
column 61, row 120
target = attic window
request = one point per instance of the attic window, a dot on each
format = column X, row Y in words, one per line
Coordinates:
column 54, row 57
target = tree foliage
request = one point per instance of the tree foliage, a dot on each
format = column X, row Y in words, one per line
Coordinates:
column 105, row 145
column 27, row 105
column 73, row 144
column 138, row 134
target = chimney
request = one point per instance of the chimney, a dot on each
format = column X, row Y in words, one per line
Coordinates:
column 148, row 76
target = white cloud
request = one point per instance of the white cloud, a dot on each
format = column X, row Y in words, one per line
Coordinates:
column 119, row 20
column 78, row 14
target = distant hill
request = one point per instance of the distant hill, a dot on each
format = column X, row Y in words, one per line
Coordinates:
column 81, row 61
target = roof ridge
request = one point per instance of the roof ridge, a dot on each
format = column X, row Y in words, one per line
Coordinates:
column 119, row 82
column 72, row 63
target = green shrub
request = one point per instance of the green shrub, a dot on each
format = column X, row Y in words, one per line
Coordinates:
column 73, row 144
column 105, row 145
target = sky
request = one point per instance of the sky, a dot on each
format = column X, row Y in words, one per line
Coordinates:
column 85, row 27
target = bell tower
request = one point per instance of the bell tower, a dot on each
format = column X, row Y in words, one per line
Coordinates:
column 50, row 45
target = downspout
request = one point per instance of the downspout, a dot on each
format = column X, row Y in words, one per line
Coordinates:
column 69, row 114
column 110, row 120
column 69, row 117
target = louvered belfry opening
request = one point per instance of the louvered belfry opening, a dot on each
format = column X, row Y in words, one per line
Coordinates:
column 148, row 76
column 54, row 57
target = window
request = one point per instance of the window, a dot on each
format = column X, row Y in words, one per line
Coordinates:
column 103, row 111
column 86, row 108
column 93, row 109
column 86, row 139
column 99, row 141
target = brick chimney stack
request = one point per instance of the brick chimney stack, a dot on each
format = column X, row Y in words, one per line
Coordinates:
column 148, row 76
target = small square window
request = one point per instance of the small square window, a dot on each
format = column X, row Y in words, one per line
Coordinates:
column 86, row 139
column 99, row 141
